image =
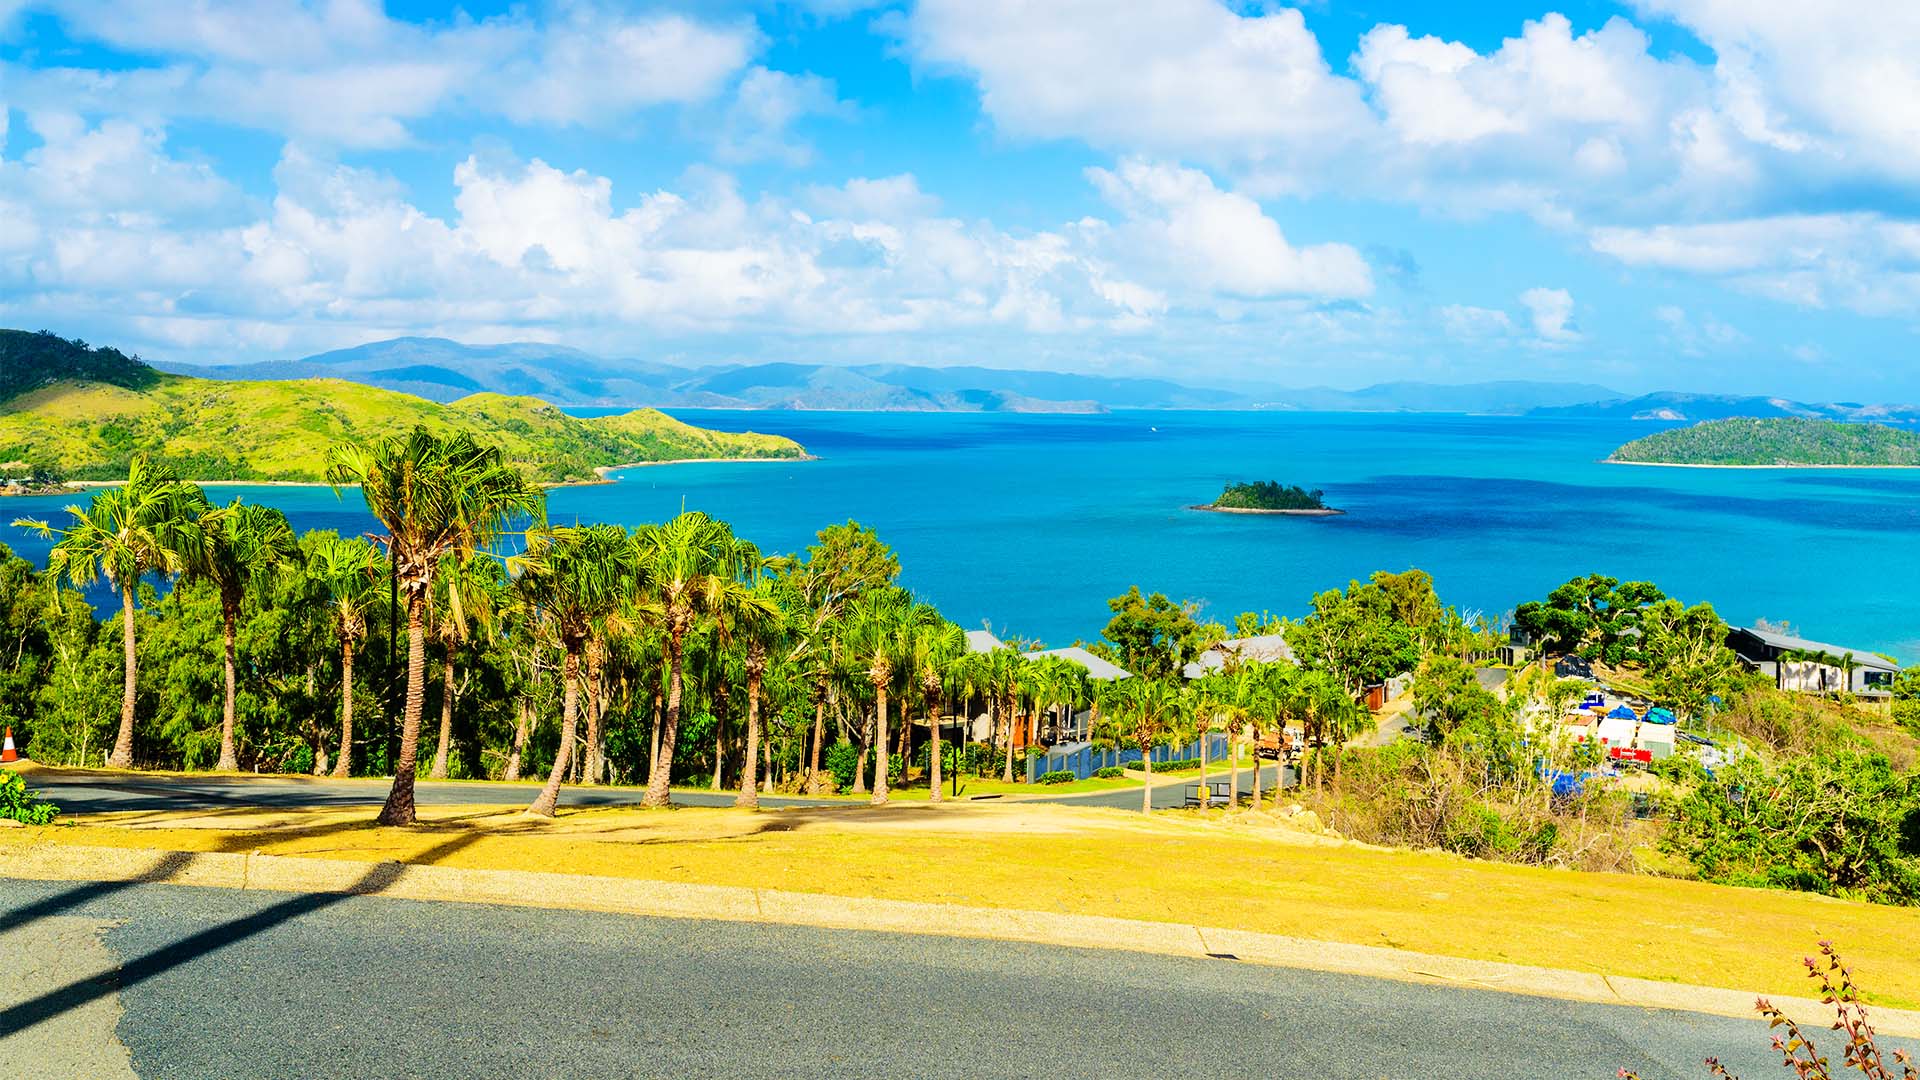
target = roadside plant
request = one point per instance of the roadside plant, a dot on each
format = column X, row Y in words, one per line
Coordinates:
column 1861, row 1052
column 21, row 805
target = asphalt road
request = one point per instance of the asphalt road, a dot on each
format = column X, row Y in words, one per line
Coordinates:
column 84, row 793
column 217, row 983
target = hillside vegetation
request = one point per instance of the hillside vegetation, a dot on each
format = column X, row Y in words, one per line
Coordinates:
column 1775, row 441
column 1269, row 495
column 87, row 413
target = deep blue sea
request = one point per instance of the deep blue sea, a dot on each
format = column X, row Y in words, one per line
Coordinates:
column 1028, row 523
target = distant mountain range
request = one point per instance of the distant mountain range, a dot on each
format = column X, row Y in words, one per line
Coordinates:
column 444, row 371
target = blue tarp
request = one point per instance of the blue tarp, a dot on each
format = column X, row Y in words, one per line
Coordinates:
column 1658, row 715
column 1621, row 712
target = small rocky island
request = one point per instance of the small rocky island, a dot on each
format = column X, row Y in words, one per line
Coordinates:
column 1270, row 497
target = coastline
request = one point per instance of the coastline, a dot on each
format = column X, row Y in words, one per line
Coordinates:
column 1325, row 511
column 1704, row 465
column 600, row 471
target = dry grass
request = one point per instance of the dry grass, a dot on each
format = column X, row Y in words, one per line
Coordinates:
column 1245, row 871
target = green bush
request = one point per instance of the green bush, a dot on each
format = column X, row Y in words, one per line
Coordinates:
column 842, row 759
column 1057, row 776
column 1110, row 772
column 1176, row 766
column 21, row 805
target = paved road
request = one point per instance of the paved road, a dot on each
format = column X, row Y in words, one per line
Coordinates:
column 217, row 983
column 96, row 793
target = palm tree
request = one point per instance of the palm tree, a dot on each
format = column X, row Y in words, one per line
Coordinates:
column 935, row 644
column 878, row 621
column 469, row 592
column 578, row 576
column 1143, row 713
column 149, row 525
column 347, row 568
column 763, row 621
column 694, row 564
column 437, row 496
column 242, row 545
column 965, row 677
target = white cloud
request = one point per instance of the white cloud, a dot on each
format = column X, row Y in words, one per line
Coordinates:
column 1464, row 322
column 1551, row 313
column 766, row 105
column 343, row 72
column 1863, row 262
column 1696, row 337
column 1222, row 240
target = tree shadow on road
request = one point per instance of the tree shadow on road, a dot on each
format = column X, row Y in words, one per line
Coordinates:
column 73, row 995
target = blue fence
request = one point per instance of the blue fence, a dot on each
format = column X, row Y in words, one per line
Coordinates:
column 1083, row 759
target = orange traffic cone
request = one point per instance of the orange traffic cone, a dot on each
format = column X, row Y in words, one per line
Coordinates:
column 7, row 752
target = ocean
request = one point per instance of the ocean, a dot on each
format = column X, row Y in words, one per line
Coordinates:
column 1027, row 524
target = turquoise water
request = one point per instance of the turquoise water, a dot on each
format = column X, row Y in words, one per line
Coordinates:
column 1028, row 523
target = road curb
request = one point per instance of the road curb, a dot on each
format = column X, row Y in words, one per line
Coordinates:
column 49, row 861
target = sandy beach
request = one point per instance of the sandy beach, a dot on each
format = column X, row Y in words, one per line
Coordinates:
column 1326, row 511
column 1699, row 465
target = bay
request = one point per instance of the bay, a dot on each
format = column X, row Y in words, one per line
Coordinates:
column 1027, row 524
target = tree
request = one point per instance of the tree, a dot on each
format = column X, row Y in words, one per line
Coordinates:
column 1152, row 635
column 934, row 647
column 1589, row 615
column 763, row 621
column 846, row 561
column 437, row 496
column 1688, row 661
column 149, row 525
column 1447, row 696
column 1143, row 714
column 577, row 577
column 242, row 546
column 879, row 624
column 469, row 593
column 1355, row 637
column 347, row 569
column 695, row 565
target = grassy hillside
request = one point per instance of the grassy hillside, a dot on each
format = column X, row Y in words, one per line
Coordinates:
column 78, row 428
column 1775, row 441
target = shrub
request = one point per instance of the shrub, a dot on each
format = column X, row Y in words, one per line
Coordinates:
column 842, row 759
column 21, row 805
column 1057, row 776
column 1110, row 772
column 1176, row 766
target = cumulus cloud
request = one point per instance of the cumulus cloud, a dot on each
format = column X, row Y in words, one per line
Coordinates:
column 1222, row 240
column 1551, row 313
column 1863, row 262
column 766, row 105
column 1464, row 322
column 343, row 72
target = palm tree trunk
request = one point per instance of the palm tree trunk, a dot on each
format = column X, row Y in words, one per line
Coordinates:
column 933, row 748
column 1013, row 721
column 446, row 718
column 229, row 760
column 122, row 756
column 399, row 807
column 880, row 746
column 1146, row 791
column 719, row 751
column 596, row 713
column 819, row 734
column 343, row 766
column 661, row 776
column 1256, row 772
column 549, row 796
column 860, row 763
column 1233, row 772
column 523, row 721
column 749, row 774
column 1206, row 793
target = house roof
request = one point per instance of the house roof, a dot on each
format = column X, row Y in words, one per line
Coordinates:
column 1861, row 657
column 1096, row 667
column 1264, row 648
column 983, row 641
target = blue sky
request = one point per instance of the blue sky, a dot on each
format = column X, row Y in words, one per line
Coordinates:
column 1686, row 194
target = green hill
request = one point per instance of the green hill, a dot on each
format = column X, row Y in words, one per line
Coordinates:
column 1781, row 441
column 84, row 414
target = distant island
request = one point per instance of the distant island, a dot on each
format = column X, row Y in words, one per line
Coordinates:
column 1269, row 497
column 69, row 411
column 1776, row 442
